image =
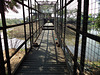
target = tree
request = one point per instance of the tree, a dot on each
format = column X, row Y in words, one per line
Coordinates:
column 11, row 4
column 97, row 22
column 72, row 16
column 91, row 19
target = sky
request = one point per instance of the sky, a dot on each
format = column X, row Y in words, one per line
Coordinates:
column 93, row 8
column 12, row 14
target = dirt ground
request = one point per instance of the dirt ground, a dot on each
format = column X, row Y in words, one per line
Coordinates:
column 14, row 61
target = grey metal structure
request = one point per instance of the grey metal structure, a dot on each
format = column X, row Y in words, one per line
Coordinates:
column 71, row 21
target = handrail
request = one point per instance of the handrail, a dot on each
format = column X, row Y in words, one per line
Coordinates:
column 94, row 37
column 10, row 26
column 22, row 45
column 72, row 56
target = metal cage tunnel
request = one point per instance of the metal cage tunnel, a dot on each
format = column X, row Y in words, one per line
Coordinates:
column 60, row 21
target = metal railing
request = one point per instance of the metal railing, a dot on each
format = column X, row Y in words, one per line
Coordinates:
column 72, row 21
column 32, row 35
column 71, row 27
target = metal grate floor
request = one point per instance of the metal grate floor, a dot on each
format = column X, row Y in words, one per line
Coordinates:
column 46, row 59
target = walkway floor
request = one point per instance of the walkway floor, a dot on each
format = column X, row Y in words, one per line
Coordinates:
column 47, row 59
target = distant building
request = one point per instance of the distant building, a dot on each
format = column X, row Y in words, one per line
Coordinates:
column 98, row 5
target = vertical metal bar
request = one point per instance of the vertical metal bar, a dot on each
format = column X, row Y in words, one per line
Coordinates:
column 59, row 23
column 5, row 36
column 62, row 25
column 24, row 26
column 77, row 37
column 36, row 19
column 2, row 68
column 65, row 27
column 84, row 30
column 57, row 19
column 55, row 16
column 29, row 22
column 39, row 17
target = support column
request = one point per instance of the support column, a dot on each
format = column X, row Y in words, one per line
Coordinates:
column 29, row 22
column 62, row 24
column 65, row 27
column 2, row 67
column 36, row 19
column 84, row 31
column 24, row 27
column 57, row 19
column 5, row 35
column 39, row 17
column 77, row 37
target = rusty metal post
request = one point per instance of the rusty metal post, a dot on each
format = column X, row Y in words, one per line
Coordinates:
column 77, row 37
column 5, row 35
column 2, row 67
column 65, row 27
column 62, row 24
column 84, row 31
column 29, row 22
column 24, row 27
column 36, row 19
column 39, row 17
column 57, row 19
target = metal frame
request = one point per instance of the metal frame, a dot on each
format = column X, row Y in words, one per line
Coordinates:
column 2, row 62
column 59, row 29
column 24, row 27
column 84, row 31
column 31, row 19
column 77, row 37
column 65, row 27
column 78, row 32
column 29, row 22
column 2, row 67
column 5, row 36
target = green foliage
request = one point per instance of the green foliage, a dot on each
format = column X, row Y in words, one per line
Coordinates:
column 91, row 19
column 46, row 8
column 12, row 21
column 72, row 16
column 11, row 4
column 97, row 23
column 27, row 18
column 0, row 23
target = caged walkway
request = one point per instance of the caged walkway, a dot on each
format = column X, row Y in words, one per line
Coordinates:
column 47, row 59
